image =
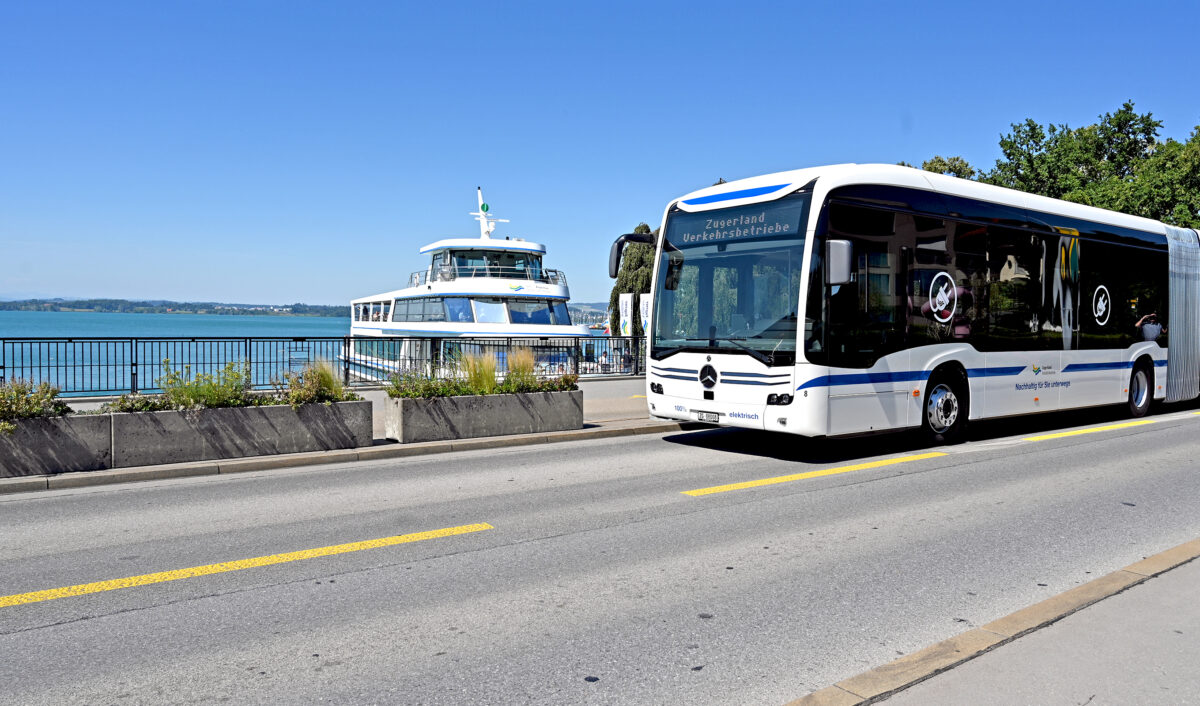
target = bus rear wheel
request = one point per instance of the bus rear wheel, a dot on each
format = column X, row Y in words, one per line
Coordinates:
column 945, row 411
column 1141, row 386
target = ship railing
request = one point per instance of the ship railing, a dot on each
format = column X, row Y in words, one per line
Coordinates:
column 450, row 273
column 113, row 366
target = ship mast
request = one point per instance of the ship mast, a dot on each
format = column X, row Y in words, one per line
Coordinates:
column 487, row 224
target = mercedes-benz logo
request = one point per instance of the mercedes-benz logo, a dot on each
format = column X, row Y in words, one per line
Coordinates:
column 708, row 376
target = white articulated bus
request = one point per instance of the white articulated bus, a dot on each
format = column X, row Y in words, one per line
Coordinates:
column 857, row 298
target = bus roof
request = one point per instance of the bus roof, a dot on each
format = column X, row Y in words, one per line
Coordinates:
column 769, row 187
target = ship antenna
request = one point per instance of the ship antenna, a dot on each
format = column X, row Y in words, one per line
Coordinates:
column 487, row 224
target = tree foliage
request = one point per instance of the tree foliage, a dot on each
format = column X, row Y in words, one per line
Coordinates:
column 954, row 166
column 1120, row 163
column 637, row 267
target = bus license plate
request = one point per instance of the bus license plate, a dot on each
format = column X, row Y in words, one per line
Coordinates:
column 708, row 417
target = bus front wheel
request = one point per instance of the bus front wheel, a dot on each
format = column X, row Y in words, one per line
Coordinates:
column 1141, row 386
column 945, row 410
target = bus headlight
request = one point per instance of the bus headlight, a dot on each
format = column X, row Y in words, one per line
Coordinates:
column 779, row 399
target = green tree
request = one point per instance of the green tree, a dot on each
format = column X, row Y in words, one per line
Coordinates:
column 637, row 267
column 953, row 166
column 1119, row 163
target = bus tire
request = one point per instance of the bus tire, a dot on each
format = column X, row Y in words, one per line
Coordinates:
column 944, row 414
column 1141, row 389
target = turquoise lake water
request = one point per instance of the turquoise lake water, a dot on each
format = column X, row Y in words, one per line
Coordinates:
column 68, row 324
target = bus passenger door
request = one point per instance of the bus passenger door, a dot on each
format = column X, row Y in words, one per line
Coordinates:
column 870, row 387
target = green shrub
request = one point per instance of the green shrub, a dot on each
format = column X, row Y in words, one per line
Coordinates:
column 137, row 403
column 229, row 387
column 316, row 384
column 21, row 399
column 416, row 385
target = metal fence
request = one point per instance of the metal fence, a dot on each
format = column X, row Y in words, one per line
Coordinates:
column 106, row 366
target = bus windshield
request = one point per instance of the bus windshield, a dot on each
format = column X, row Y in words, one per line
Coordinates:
column 729, row 281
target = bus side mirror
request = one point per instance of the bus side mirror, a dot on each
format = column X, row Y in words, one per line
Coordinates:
column 838, row 256
column 614, row 255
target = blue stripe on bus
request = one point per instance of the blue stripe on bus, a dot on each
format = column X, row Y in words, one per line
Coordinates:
column 751, row 382
column 674, row 377
column 994, row 372
column 754, row 375
column 1160, row 363
column 901, row 376
column 1086, row 367
column 672, row 370
column 863, row 378
column 731, row 195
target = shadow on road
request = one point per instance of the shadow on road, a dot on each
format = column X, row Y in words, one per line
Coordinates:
column 787, row 447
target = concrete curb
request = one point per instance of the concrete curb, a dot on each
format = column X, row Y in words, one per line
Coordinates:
column 601, row 430
column 879, row 683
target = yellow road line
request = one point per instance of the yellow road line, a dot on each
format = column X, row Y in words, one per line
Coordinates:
column 810, row 474
column 145, row 579
column 1093, row 430
column 637, row 397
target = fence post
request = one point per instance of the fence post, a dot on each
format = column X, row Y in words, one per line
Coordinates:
column 133, row 366
column 636, row 345
column 347, row 351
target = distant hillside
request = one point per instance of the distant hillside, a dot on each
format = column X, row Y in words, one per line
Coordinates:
column 159, row 306
column 588, row 312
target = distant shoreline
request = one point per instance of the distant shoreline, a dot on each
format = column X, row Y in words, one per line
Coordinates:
column 123, row 306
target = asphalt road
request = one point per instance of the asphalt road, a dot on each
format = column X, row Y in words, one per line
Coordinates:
column 582, row 573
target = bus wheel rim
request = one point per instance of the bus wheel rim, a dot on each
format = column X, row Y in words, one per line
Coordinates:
column 941, row 410
column 1139, row 388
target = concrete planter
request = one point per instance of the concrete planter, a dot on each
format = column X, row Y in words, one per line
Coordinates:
column 56, row 445
column 150, row 438
column 466, row 417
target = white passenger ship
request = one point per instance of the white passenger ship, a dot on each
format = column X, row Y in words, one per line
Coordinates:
column 481, row 287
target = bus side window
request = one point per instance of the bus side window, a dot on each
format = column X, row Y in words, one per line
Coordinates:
column 1015, row 264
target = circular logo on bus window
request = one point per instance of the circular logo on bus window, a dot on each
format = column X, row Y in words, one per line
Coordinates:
column 1101, row 305
column 943, row 297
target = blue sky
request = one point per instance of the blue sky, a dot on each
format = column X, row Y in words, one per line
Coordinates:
column 272, row 152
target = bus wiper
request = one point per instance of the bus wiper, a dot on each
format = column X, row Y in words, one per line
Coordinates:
column 756, row 354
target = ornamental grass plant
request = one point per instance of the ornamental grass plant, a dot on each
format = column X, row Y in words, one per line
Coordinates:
column 475, row 374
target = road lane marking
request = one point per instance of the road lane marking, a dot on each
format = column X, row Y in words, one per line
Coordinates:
column 1092, row 430
column 811, row 474
column 637, row 397
column 160, row 577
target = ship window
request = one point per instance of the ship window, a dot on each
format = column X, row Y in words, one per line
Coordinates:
column 400, row 312
column 490, row 311
column 387, row 311
column 458, row 309
column 529, row 311
column 562, row 316
column 433, row 309
column 470, row 263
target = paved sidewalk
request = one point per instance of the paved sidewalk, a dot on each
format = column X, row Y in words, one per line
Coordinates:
column 1135, row 640
column 1138, row 647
